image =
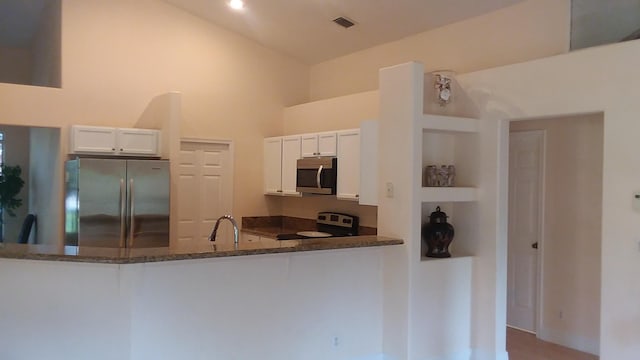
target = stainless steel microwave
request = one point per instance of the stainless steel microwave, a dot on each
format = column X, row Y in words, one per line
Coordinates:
column 317, row 175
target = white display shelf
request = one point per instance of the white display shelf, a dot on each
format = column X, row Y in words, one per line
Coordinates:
column 454, row 257
column 448, row 124
column 282, row 194
column 448, row 194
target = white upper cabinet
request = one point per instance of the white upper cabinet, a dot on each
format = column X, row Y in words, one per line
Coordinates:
column 98, row 140
column 321, row 144
column 348, row 186
column 290, row 156
column 281, row 156
column 369, row 163
column 138, row 142
column 93, row 139
column 273, row 166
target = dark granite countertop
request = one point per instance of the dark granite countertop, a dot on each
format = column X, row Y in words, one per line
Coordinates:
column 198, row 251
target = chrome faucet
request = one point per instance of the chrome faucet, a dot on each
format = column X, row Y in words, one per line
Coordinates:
column 212, row 237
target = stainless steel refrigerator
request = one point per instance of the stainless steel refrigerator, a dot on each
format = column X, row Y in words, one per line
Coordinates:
column 117, row 203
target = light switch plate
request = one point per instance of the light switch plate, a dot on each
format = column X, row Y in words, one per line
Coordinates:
column 389, row 189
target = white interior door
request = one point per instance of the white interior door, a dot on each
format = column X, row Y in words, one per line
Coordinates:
column 526, row 161
column 205, row 189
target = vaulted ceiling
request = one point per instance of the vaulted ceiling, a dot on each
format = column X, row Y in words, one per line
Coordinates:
column 304, row 28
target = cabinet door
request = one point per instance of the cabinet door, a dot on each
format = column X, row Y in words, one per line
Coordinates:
column 327, row 144
column 92, row 139
column 290, row 156
column 273, row 166
column 138, row 142
column 348, row 186
column 369, row 163
column 309, row 145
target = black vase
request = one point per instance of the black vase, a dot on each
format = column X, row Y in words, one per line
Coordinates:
column 437, row 234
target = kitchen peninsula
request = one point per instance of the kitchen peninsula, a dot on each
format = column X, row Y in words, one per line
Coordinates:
column 254, row 302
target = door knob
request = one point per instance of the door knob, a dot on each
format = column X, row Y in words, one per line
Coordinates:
column 534, row 245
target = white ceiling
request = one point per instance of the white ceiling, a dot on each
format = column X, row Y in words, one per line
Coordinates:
column 304, row 28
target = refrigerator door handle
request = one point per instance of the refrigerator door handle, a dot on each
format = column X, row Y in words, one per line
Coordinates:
column 123, row 214
column 131, row 213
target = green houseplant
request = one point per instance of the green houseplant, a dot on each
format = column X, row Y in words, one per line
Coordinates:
column 10, row 185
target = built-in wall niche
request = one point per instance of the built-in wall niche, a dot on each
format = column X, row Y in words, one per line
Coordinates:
column 37, row 151
column 451, row 140
column 461, row 215
column 30, row 42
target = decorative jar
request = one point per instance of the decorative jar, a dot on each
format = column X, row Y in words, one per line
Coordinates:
column 437, row 234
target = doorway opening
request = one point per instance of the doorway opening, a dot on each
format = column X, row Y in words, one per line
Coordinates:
column 36, row 150
column 554, row 243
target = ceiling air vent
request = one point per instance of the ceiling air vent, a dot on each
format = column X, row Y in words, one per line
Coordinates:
column 344, row 22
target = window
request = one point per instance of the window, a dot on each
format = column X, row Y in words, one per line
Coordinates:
column 598, row 22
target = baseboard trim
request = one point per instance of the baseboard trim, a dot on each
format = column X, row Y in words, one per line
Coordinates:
column 479, row 354
column 580, row 343
column 520, row 329
column 465, row 354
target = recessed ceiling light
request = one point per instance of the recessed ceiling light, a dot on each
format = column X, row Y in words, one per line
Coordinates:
column 236, row 4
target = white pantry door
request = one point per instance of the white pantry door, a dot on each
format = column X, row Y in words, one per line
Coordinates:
column 526, row 161
column 205, row 188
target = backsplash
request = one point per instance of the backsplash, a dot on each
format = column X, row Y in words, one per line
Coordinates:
column 283, row 224
column 309, row 206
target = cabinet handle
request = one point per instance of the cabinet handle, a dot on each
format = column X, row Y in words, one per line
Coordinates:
column 132, row 215
column 357, row 195
column 123, row 214
column 279, row 191
column 113, row 149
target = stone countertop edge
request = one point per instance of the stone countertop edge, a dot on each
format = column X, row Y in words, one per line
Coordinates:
column 351, row 242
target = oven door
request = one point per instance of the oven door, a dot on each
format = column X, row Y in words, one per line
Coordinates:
column 316, row 176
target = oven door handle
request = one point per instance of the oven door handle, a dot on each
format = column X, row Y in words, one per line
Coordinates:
column 318, row 176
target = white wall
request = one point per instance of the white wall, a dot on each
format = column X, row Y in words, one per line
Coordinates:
column 427, row 302
column 117, row 55
column 63, row 311
column 314, row 305
column 602, row 79
column 46, row 185
column 531, row 29
column 570, row 249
